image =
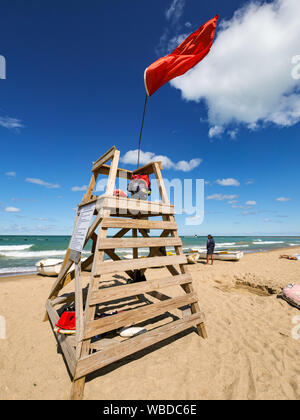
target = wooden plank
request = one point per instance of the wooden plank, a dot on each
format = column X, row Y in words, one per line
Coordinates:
column 90, row 189
column 110, row 186
column 134, row 316
column 78, row 309
column 161, row 184
column 138, row 224
column 121, row 173
column 103, row 343
column 188, row 288
column 114, row 243
column 147, row 169
column 108, row 267
column 127, row 290
column 89, row 314
column 64, row 341
column 103, row 159
column 116, row 257
column 67, row 298
column 91, row 201
column 130, row 205
column 125, row 348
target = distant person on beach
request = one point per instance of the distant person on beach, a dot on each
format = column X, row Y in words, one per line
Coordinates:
column 210, row 246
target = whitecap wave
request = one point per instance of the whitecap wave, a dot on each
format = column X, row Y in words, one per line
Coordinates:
column 267, row 242
column 36, row 254
column 32, row 254
column 14, row 247
column 232, row 246
column 16, row 270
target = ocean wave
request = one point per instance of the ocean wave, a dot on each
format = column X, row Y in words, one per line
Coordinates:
column 17, row 270
column 267, row 242
column 32, row 254
column 36, row 254
column 232, row 246
column 226, row 243
column 14, row 247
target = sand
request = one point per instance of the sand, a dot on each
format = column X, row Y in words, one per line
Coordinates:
column 250, row 352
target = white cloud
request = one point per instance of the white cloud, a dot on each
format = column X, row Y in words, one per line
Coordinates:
column 82, row 188
column 250, row 181
column 283, row 199
column 233, row 133
column 42, row 183
column 240, row 207
column 10, row 123
column 175, row 11
column 10, row 174
column 220, row 197
column 232, row 201
column 215, row 131
column 249, row 213
column 12, row 210
column 130, row 158
column 251, row 203
column 247, row 78
column 228, row 182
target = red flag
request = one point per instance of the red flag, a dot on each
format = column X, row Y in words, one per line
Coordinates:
column 192, row 50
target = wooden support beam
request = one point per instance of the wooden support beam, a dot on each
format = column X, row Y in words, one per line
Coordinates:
column 104, row 158
column 138, row 224
column 111, row 323
column 121, row 173
column 116, row 257
column 108, row 267
column 63, row 340
column 147, row 169
column 112, row 243
column 107, row 356
column 123, row 291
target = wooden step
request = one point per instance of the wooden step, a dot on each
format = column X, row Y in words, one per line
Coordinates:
column 130, row 206
column 119, row 292
column 114, row 243
column 134, row 316
column 110, row 222
column 107, row 356
column 108, row 267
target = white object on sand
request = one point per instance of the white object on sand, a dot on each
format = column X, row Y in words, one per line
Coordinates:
column 132, row 331
column 224, row 255
column 193, row 258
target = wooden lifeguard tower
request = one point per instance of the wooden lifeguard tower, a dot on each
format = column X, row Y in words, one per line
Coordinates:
column 88, row 350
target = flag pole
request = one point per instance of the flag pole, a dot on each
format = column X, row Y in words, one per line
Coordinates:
column 143, row 119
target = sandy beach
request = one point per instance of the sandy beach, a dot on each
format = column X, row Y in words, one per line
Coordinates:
column 249, row 354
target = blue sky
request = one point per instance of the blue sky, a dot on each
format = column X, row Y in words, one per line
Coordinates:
column 74, row 87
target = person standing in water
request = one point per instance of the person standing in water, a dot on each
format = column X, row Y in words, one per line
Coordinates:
column 210, row 246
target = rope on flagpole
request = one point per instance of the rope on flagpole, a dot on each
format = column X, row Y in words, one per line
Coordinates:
column 139, row 148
